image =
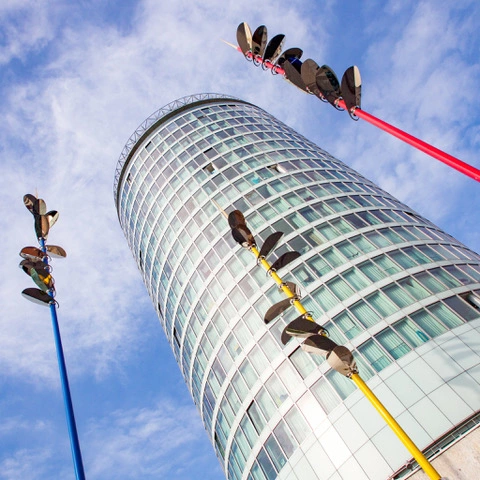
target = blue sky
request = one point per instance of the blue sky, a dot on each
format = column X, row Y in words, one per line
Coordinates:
column 76, row 79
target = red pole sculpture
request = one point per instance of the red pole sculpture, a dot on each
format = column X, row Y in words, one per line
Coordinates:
column 434, row 152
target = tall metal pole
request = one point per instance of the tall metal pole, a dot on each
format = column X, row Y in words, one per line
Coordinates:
column 67, row 399
column 417, row 454
column 434, row 152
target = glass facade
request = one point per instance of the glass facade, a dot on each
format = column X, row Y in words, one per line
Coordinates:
column 399, row 292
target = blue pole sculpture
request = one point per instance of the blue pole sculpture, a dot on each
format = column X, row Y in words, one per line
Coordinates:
column 67, row 399
column 35, row 264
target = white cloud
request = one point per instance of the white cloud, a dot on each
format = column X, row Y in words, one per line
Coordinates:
column 155, row 442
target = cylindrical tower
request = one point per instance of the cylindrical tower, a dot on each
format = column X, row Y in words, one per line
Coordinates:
column 384, row 281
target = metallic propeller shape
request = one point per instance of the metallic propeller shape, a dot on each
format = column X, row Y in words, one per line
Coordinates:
column 284, row 260
column 236, row 218
column 300, row 327
column 318, row 344
column 275, row 310
column 42, row 278
column 36, row 206
column 32, row 253
column 294, row 53
column 37, row 296
column 341, row 360
column 269, row 244
column 352, row 87
column 294, row 288
column 27, row 264
column 244, row 38
column 243, row 236
column 259, row 40
column 42, row 226
column 309, row 73
column 274, row 48
column 327, row 83
column 55, row 251
column 292, row 69
column 52, row 217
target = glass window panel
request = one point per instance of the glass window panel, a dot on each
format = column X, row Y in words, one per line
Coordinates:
column 333, row 257
column 402, row 259
column 302, row 362
column 256, row 417
column 347, row 324
column 258, row 359
column 265, row 404
column 285, row 438
column 318, row 265
column 341, row 225
column 416, row 255
column 324, row 298
column 446, row 316
column 267, row 466
column 428, row 281
column 340, row 288
column 392, row 343
column 249, row 430
column 356, row 279
column 382, row 304
column 275, row 453
column 328, row 231
column 248, row 373
column 398, row 295
column 297, row 424
column 276, row 389
column 428, row 323
column 325, row 395
column 458, row 274
column 444, row 277
column 342, row 385
column 362, row 244
column 411, row 332
column 372, row 271
column 349, row 250
column 414, row 288
column 269, row 347
column 462, row 308
column 379, row 240
column 289, row 376
column 430, row 253
column 364, row 314
column 376, row 357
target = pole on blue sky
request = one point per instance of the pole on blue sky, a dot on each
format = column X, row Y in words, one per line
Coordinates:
column 36, row 264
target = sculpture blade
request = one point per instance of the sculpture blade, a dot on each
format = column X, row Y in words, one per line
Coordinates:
column 32, row 253
column 259, row 40
column 37, row 296
column 42, row 226
column 327, row 83
column 300, row 327
column 56, row 252
column 244, row 38
column 318, row 344
column 275, row 310
column 284, row 260
column 352, row 87
column 52, row 217
column 270, row 243
column 292, row 73
column 294, row 53
column 274, row 48
column 309, row 76
column 236, row 218
column 243, row 236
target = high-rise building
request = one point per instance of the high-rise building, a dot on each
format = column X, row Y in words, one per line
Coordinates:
column 402, row 294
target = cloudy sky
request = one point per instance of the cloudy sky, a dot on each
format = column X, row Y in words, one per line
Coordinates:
column 76, row 79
